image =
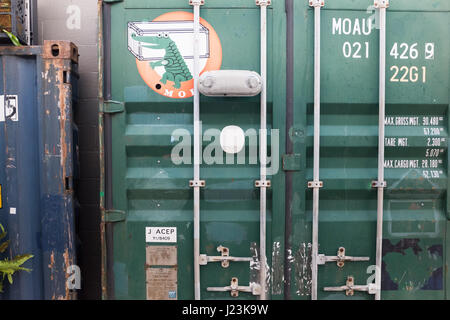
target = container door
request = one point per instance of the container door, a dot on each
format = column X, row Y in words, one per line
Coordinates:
column 150, row 125
column 416, row 158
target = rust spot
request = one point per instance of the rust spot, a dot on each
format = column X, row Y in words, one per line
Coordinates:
column 52, row 264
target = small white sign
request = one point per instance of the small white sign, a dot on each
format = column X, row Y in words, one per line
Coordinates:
column 161, row 234
column 9, row 108
column 2, row 108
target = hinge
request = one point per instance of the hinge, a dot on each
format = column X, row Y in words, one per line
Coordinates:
column 316, row 3
column 224, row 258
column 381, row 3
column 234, row 288
column 115, row 216
column 291, row 162
column 340, row 258
column 112, row 1
column 350, row 287
column 110, row 106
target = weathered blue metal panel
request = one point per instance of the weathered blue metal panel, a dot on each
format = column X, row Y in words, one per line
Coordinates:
column 36, row 166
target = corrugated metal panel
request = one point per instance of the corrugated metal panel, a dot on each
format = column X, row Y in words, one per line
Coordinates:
column 144, row 188
column 38, row 154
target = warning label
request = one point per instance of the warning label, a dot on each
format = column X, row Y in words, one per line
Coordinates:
column 161, row 234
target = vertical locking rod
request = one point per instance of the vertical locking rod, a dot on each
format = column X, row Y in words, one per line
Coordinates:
column 316, row 164
column 196, row 4
column 382, row 4
column 263, row 149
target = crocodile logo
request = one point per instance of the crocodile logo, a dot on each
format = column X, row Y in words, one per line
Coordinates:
column 176, row 69
column 163, row 49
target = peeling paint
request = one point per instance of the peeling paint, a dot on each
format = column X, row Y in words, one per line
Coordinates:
column 302, row 268
column 277, row 270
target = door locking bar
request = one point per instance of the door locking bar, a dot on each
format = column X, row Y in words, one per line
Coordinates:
column 225, row 258
column 235, row 288
column 350, row 287
column 340, row 258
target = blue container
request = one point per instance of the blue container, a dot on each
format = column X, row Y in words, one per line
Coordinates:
column 37, row 156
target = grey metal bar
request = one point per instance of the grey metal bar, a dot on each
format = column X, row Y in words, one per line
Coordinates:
column 382, row 5
column 224, row 258
column 316, row 161
column 197, row 151
column 263, row 149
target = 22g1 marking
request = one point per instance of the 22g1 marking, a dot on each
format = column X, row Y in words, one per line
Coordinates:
column 405, row 51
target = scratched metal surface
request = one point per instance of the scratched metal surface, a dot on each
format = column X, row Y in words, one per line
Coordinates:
column 152, row 191
column 37, row 159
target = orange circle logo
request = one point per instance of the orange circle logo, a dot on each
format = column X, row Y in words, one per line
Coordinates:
column 164, row 52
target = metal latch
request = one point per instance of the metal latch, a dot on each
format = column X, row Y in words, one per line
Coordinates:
column 263, row 184
column 340, row 258
column 110, row 106
column 234, row 287
column 224, row 258
column 350, row 287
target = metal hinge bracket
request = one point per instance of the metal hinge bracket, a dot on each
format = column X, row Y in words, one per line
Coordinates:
column 196, row 2
column 340, row 258
column 263, row 3
column 234, row 288
column 200, row 184
column 350, row 287
column 316, row 3
column 379, row 184
column 263, row 184
column 315, row 184
column 115, row 216
column 224, row 258
column 381, row 3
column 109, row 106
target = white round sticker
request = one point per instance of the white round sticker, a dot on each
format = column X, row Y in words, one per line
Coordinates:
column 232, row 139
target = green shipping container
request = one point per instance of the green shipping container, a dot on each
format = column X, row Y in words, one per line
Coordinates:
column 170, row 231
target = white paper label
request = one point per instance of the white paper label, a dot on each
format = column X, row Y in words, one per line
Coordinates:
column 161, row 234
column 9, row 108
